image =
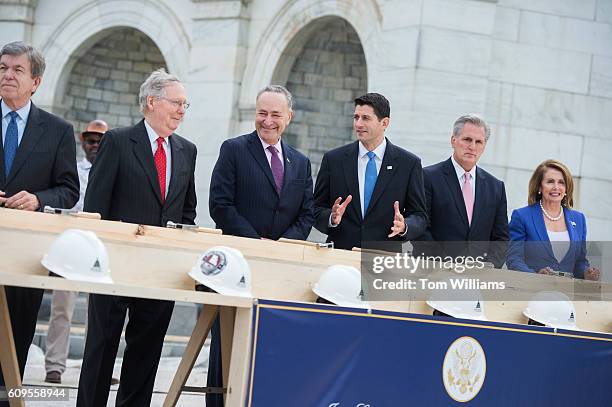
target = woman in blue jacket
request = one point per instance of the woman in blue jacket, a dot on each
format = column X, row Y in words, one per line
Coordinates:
column 547, row 235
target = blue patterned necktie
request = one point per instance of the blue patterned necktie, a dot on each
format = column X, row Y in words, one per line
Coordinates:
column 10, row 143
column 369, row 182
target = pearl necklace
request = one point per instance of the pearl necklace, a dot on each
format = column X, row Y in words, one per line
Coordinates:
column 552, row 218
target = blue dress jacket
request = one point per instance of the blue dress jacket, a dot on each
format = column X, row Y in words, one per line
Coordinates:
column 530, row 248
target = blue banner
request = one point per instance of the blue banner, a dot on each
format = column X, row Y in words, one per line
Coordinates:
column 311, row 355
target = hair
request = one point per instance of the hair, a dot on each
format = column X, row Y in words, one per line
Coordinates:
column 538, row 175
column 155, row 86
column 379, row 103
column 37, row 61
column 278, row 89
column 474, row 119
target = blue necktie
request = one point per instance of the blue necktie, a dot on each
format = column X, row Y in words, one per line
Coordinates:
column 370, row 181
column 10, row 144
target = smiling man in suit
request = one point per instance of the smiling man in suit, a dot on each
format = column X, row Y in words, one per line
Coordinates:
column 466, row 205
column 260, row 188
column 37, row 168
column 143, row 174
column 370, row 190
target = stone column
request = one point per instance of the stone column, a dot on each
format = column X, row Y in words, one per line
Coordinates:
column 218, row 53
column 16, row 19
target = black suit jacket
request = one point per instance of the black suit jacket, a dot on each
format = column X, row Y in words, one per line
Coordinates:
column 45, row 163
column 400, row 179
column 123, row 183
column 448, row 217
column 243, row 197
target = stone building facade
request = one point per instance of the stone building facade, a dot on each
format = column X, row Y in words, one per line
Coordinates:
column 539, row 71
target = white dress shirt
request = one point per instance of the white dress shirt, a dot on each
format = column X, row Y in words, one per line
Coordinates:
column 362, row 163
column 278, row 147
column 21, row 120
column 83, row 168
column 153, row 139
column 461, row 176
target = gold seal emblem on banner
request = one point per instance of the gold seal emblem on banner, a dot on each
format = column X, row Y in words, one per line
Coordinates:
column 464, row 369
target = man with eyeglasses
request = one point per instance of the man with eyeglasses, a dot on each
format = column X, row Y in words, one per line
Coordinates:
column 143, row 174
column 63, row 302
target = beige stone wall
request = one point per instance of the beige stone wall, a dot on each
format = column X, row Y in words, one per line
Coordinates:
column 105, row 81
column 329, row 72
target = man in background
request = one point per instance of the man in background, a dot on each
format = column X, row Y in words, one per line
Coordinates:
column 63, row 302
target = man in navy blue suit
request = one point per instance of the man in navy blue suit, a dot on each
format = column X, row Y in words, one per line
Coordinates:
column 466, row 205
column 260, row 188
column 37, row 168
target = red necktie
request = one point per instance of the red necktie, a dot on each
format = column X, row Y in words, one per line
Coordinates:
column 160, row 164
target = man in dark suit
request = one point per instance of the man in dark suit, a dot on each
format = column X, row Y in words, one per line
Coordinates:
column 466, row 205
column 37, row 167
column 142, row 174
column 370, row 190
column 260, row 188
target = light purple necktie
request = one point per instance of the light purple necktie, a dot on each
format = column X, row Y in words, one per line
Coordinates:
column 277, row 169
column 468, row 196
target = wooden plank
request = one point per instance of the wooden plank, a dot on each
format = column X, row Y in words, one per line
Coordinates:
column 198, row 336
column 241, row 350
column 8, row 356
column 56, row 283
column 227, row 334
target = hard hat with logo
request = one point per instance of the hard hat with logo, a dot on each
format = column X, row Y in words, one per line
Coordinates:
column 553, row 309
column 469, row 306
column 224, row 270
column 78, row 255
column 341, row 285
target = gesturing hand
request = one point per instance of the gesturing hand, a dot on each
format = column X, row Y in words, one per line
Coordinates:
column 399, row 226
column 339, row 208
column 592, row 273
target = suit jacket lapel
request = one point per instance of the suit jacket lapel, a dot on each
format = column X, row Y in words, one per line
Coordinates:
column 352, row 180
column 256, row 150
column 571, row 231
column 540, row 228
column 385, row 174
column 479, row 200
column 288, row 167
column 32, row 133
column 177, row 165
column 144, row 154
column 450, row 176
column 2, row 174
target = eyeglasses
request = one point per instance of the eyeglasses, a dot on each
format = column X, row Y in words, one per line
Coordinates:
column 177, row 103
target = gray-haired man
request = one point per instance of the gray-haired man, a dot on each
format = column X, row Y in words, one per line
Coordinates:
column 466, row 205
column 261, row 187
column 37, row 168
column 143, row 174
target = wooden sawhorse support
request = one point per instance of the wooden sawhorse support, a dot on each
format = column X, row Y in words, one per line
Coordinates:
column 235, row 350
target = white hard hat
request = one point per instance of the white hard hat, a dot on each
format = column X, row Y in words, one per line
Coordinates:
column 78, row 255
column 224, row 270
column 341, row 285
column 553, row 309
column 470, row 308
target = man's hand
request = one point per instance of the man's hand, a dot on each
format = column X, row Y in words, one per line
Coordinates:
column 399, row 226
column 592, row 273
column 338, row 209
column 23, row 200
